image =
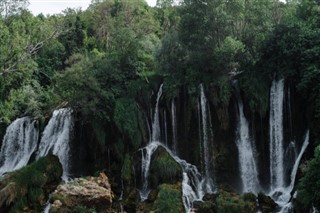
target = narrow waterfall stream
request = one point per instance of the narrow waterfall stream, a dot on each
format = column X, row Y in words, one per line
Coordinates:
column 19, row 142
column 276, row 134
column 284, row 198
column 156, row 134
column 56, row 138
column 248, row 165
column 174, row 125
column 148, row 151
column 206, row 136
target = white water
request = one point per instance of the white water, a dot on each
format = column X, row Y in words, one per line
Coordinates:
column 285, row 192
column 149, row 150
column 56, row 138
column 205, row 137
column 174, row 125
column 248, row 166
column 47, row 207
column 19, row 142
column 193, row 187
column 165, row 128
column 145, row 167
column 276, row 134
column 156, row 123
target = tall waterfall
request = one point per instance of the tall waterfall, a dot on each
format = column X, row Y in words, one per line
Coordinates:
column 206, row 136
column 276, row 134
column 149, row 150
column 56, row 138
column 248, row 166
column 174, row 125
column 19, row 142
column 192, row 183
column 155, row 136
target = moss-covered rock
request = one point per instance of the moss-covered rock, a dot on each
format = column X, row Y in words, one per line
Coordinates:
column 164, row 169
column 169, row 199
column 28, row 188
column 228, row 202
column 266, row 203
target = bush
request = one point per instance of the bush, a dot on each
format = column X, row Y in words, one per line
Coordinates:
column 309, row 186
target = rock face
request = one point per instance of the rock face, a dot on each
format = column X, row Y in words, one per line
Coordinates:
column 90, row 193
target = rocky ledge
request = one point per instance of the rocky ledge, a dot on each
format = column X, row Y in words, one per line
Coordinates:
column 83, row 193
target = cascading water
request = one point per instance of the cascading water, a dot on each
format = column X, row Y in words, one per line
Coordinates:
column 192, row 183
column 165, row 128
column 248, row 166
column 56, row 138
column 155, row 136
column 205, row 137
column 285, row 195
column 19, row 142
column 145, row 167
column 276, row 134
column 149, row 150
column 174, row 125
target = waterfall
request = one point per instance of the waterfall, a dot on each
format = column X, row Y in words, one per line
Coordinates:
column 149, row 150
column 145, row 167
column 276, row 134
column 19, row 142
column 165, row 127
column 205, row 137
column 174, row 125
column 192, row 184
column 156, row 123
column 56, row 138
column 285, row 194
column 248, row 166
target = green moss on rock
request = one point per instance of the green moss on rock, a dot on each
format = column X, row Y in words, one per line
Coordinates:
column 28, row 187
column 228, row 202
column 169, row 199
column 164, row 169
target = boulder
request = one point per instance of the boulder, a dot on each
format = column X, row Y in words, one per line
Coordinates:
column 266, row 203
column 90, row 193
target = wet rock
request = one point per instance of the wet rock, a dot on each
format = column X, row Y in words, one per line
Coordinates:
column 266, row 203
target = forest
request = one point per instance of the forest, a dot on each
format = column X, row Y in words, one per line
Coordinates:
column 160, row 99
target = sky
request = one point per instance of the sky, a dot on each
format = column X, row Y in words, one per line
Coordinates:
column 56, row 6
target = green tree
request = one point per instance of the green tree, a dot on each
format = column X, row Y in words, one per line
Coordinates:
column 309, row 186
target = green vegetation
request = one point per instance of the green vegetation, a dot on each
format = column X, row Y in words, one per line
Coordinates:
column 309, row 186
column 31, row 185
column 169, row 199
column 164, row 169
column 231, row 203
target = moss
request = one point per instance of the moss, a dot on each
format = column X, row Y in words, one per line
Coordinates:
column 164, row 169
column 127, row 169
column 232, row 203
column 29, row 186
column 169, row 199
column 82, row 209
